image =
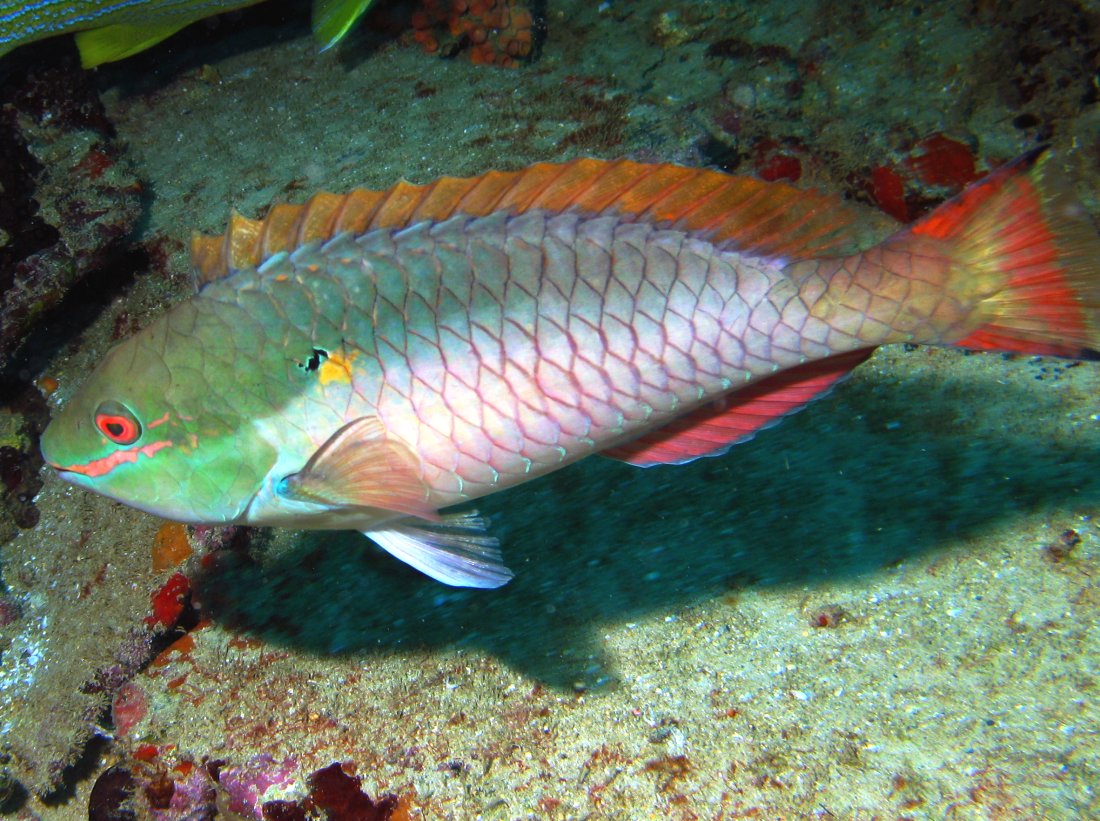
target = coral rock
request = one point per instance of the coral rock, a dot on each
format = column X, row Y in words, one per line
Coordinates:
column 495, row 32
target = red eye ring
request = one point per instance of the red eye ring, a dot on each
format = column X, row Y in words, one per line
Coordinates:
column 117, row 423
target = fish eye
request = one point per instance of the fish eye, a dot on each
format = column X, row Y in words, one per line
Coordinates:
column 115, row 421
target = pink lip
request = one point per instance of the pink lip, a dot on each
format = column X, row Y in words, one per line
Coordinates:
column 104, row 465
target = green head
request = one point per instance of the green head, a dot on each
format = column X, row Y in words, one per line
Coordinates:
column 154, row 428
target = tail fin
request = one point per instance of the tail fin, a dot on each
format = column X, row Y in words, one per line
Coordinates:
column 1024, row 234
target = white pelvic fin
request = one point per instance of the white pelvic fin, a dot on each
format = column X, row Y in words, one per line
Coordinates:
column 456, row 551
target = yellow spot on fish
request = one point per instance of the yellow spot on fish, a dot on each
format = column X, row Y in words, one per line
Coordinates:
column 336, row 368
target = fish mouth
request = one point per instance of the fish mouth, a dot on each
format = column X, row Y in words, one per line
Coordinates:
column 73, row 477
column 68, row 475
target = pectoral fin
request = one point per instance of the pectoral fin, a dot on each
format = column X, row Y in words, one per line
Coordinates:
column 456, row 551
column 360, row 467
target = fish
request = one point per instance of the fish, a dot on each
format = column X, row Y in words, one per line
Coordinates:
column 370, row 360
column 110, row 30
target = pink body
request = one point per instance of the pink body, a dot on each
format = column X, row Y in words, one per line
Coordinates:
column 504, row 347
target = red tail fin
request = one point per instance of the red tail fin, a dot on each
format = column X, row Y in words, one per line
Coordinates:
column 1022, row 231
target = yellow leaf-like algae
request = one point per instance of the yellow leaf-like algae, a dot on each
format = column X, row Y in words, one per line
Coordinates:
column 107, row 31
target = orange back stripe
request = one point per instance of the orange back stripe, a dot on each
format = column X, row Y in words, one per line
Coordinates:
column 767, row 219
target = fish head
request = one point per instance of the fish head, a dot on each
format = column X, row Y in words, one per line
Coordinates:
column 151, row 428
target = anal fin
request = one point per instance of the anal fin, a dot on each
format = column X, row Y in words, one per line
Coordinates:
column 455, row 551
column 715, row 428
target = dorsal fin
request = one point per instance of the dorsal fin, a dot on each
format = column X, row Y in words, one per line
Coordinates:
column 715, row 428
column 763, row 218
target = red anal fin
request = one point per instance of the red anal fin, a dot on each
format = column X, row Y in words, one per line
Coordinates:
column 715, row 428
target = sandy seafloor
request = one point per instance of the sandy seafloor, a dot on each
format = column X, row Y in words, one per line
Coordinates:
column 659, row 653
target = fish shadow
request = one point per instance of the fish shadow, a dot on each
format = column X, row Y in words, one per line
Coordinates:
column 853, row 484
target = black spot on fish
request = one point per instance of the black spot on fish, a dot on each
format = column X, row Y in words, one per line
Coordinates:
column 316, row 357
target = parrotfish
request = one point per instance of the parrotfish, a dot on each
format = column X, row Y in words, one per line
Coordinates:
column 109, row 30
column 368, row 360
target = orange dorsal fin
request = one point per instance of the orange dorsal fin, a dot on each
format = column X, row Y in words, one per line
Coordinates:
column 766, row 219
column 715, row 428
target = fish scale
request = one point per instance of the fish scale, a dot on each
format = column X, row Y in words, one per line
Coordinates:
column 365, row 361
column 600, row 366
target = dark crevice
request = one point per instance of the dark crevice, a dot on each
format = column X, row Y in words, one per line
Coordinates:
column 69, row 318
